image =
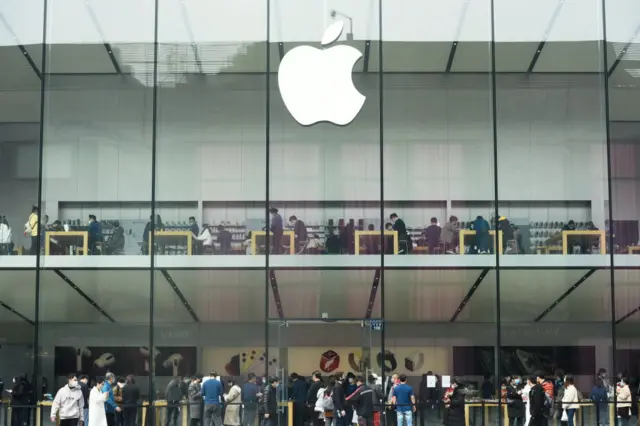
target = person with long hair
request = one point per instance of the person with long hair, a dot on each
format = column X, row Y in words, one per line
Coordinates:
column 570, row 400
column 233, row 400
column 624, row 401
column 97, row 398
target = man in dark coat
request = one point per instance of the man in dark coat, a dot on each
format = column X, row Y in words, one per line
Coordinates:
column 299, row 397
column 515, row 404
column 456, row 415
column 537, row 398
column 195, row 400
column 362, row 401
column 300, row 232
column 403, row 237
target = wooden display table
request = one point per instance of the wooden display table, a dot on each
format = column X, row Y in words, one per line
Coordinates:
column 168, row 238
column 601, row 234
column 65, row 237
column 256, row 234
column 633, row 249
column 359, row 234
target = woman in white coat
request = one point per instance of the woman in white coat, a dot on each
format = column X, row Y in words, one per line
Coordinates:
column 97, row 416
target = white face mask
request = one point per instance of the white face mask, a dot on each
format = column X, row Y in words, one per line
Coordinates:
column 73, row 383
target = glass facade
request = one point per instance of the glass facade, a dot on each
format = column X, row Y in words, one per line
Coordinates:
column 169, row 215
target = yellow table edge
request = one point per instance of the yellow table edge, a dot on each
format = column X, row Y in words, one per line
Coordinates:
column 187, row 234
column 603, row 239
column 83, row 234
column 464, row 232
column 385, row 232
column 290, row 233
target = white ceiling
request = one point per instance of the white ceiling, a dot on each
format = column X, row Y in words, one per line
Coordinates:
column 238, row 295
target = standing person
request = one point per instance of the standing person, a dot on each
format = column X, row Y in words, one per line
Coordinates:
column 403, row 236
column 392, row 419
column 570, row 399
column 482, row 235
column 449, row 235
column 32, row 228
column 515, row 404
column 339, row 401
column 95, row 234
column 404, row 401
column 277, row 229
column 84, row 387
column 487, row 389
column 378, row 397
column 299, row 398
column 538, row 405
column 362, row 401
column 250, row 396
column 194, row 396
column 300, row 232
column 69, row 403
column 624, row 401
column 97, row 416
column 212, row 393
column 233, row 400
column 456, row 415
column 312, row 396
column 19, row 397
column 350, row 387
column 117, row 396
column 130, row 401
column 433, row 233
column 525, row 398
column 599, row 395
column 115, row 243
column 110, row 406
column 173, row 394
column 270, row 402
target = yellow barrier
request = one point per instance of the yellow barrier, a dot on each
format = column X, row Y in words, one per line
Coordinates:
column 255, row 234
column 358, row 234
column 601, row 234
column 49, row 234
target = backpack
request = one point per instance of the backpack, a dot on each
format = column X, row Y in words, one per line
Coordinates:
column 327, row 402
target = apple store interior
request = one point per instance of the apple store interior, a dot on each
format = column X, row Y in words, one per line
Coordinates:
column 449, row 188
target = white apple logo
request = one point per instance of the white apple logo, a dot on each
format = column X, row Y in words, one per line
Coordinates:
column 316, row 85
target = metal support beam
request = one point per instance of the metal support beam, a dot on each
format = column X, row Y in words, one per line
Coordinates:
column 83, row 294
column 545, row 36
column 374, row 292
column 21, row 47
column 276, row 293
column 623, row 52
column 565, row 294
column 281, row 50
column 452, row 55
column 178, row 293
column 367, row 54
column 107, row 46
column 16, row 313
column 627, row 315
column 192, row 39
column 454, row 45
column 472, row 290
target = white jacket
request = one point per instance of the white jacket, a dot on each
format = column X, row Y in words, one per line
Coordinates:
column 69, row 403
column 205, row 237
column 570, row 399
column 5, row 234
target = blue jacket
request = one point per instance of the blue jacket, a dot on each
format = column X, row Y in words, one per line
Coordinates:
column 299, row 391
column 95, row 232
column 599, row 394
column 212, row 391
column 110, row 402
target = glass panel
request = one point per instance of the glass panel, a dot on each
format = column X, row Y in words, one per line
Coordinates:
column 211, row 148
column 324, row 140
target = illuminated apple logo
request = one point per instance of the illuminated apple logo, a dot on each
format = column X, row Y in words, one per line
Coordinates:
column 316, row 85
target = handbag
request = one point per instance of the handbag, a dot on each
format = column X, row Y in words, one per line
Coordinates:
column 564, row 417
column 354, row 418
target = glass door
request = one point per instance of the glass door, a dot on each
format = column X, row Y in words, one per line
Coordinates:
column 327, row 347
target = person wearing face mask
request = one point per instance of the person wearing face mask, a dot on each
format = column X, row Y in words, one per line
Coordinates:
column 312, row 396
column 456, row 415
column 117, row 395
column 97, row 416
column 84, row 387
column 624, row 401
column 69, row 403
column 515, row 405
column 570, row 399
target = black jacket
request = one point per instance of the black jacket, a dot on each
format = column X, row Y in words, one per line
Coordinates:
column 456, row 409
column 338, row 397
column 362, row 401
column 312, row 393
column 85, row 393
column 130, row 394
column 117, row 238
column 270, row 400
column 515, row 405
column 536, row 401
column 174, row 391
column 299, row 391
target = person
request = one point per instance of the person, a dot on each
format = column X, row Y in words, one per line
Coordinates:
column 130, row 401
column 233, row 401
column 378, row 398
column 392, row 418
column 538, row 405
column 173, row 395
column 19, row 398
column 525, row 399
column 117, row 396
column 456, row 415
column 84, row 387
column 110, row 406
column 600, row 397
column 212, row 393
column 449, row 235
column 194, row 395
column 299, row 397
column 432, row 234
column 300, row 233
column 193, row 226
column 68, row 403
column 504, row 225
column 146, row 237
column 350, row 387
column 329, row 413
column 403, row 237
column 515, row 405
column 339, row 401
column 570, row 401
column 446, row 400
column 95, row 234
column 624, row 401
column 247, row 244
column 277, row 229
column 404, row 401
column 6, row 239
column 428, row 397
column 362, row 400
column 557, row 393
column 32, row 228
column 224, row 239
column 115, row 243
column 312, row 394
column 250, row 396
column 206, row 238
column 270, row 402
column 97, row 415
column 481, row 227
column 487, row 389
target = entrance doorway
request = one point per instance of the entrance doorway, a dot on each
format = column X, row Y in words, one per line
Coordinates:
column 340, row 345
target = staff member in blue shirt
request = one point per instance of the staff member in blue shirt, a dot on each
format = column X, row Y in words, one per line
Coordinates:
column 110, row 406
column 212, row 391
column 250, row 396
